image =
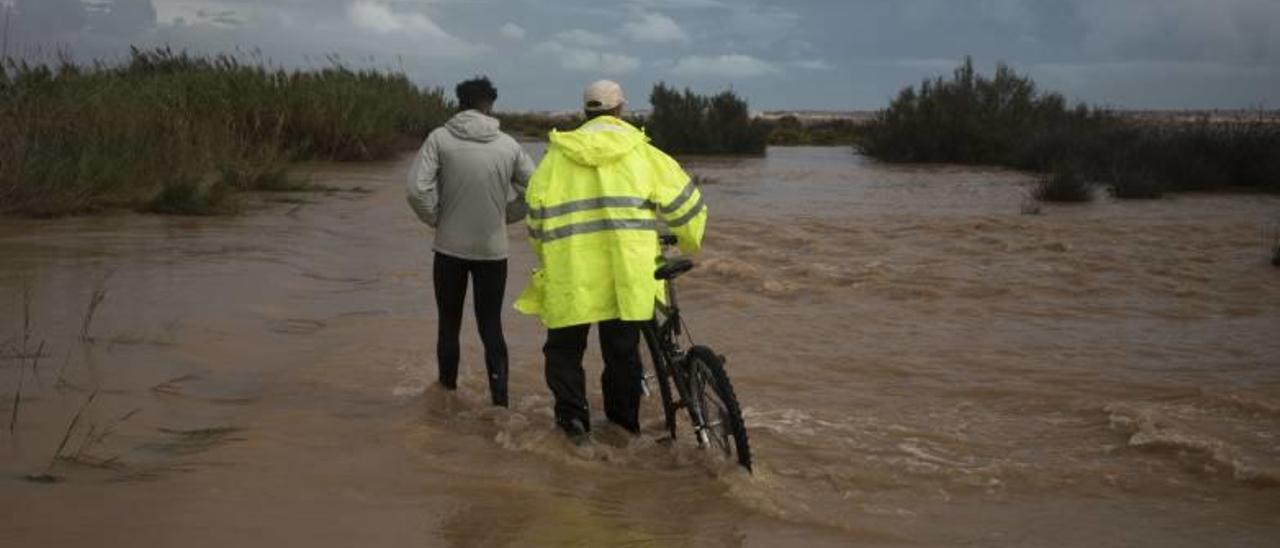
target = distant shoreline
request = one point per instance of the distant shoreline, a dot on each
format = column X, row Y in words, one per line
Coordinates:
column 857, row 116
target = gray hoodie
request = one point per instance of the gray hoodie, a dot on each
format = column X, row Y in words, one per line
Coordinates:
column 468, row 182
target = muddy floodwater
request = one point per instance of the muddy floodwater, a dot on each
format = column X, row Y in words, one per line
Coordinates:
column 920, row 364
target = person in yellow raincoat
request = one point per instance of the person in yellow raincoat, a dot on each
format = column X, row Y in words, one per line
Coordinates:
column 596, row 202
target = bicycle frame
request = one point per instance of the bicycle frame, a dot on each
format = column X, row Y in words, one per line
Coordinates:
column 661, row 335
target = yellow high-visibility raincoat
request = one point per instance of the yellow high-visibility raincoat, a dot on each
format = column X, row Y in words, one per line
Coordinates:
column 594, row 206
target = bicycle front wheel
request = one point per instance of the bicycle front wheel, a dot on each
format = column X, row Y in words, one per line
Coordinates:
column 718, row 405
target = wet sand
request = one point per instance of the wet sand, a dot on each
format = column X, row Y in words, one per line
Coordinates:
column 919, row 362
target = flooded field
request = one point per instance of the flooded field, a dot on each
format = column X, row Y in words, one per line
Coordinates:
column 920, row 364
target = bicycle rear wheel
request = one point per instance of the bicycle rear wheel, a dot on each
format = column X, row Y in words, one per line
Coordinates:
column 718, row 405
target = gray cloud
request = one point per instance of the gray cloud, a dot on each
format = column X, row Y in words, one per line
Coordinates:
column 813, row 54
column 127, row 17
column 654, row 27
column 733, row 66
column 512, row 31
column 1232, row 31
column 36, row 18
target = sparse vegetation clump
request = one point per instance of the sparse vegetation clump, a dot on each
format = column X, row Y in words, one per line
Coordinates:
column 1063, row 184
column 1006, row 120
column 689, row 123
column 176, row 133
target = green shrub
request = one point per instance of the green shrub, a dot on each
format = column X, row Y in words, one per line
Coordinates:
column 1005, row 120
column 971, row 119
column 688, row 123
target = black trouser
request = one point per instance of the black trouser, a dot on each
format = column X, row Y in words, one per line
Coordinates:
column 490, row 278
column 620, row 383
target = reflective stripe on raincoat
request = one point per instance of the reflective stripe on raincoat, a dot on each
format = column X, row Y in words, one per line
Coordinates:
column 595, row 202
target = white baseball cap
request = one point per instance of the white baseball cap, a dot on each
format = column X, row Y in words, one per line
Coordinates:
column 603, row 95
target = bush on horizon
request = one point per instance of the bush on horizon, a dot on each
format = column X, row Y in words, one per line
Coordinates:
column 536, row 125
column 1006, row 120
column 78, row 138
column 689, row 123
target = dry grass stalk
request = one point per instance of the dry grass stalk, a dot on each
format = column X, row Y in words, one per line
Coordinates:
column 94, row 438
column 35, row 360
column 66, row 436
column 172, row 386
column 17, row 400
column 95, row 300
column 61, row 381
column 26, row 315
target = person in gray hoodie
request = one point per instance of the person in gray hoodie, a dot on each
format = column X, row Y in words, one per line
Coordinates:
column 467, row 182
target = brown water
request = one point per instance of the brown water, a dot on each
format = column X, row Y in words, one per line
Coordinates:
column 920, row 364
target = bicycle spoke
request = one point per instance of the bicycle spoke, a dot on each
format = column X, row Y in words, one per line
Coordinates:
column 712, row 409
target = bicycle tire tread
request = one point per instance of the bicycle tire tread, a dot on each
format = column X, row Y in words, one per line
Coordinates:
column 722, row 384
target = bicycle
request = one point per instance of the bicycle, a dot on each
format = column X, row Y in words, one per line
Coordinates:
column 697, row 372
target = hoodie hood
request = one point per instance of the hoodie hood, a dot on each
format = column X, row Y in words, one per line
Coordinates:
column 600, row 141
column 473, row 125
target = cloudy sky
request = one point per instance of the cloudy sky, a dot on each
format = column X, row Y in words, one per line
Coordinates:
column 802, row 54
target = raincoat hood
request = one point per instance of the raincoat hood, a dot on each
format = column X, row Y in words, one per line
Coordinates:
column 473, row 125
column 602, row 140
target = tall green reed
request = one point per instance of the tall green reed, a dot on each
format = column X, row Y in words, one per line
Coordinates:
column 165, row 124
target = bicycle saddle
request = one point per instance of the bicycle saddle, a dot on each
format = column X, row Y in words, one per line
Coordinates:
column 672, row 268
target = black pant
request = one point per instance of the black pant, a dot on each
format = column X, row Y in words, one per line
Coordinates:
column 620, row 383
column 490, row 278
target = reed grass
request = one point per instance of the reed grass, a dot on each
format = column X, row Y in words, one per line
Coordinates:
column 172, row 132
